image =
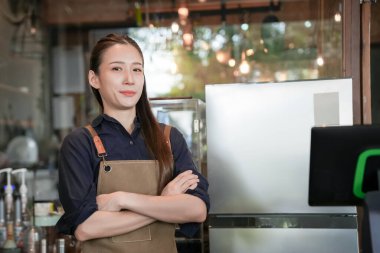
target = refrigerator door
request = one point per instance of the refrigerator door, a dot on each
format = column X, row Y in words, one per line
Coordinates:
column 258, row 140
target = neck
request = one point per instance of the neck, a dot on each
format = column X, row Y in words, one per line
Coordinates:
column 126, row 118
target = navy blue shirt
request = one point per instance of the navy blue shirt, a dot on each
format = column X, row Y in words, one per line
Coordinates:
column 79, row 168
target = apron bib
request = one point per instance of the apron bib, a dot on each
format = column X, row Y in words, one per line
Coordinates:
column 137, row 176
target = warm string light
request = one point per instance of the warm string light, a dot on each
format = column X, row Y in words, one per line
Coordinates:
column 174, row 27
column 222, row 56
column 183, row 12
column 250, row 52
column 33, row 21
column 188, row 40
column 244, row 67
column 320, row 61
column 231, row 62
column 338, row 17
column 187, row 36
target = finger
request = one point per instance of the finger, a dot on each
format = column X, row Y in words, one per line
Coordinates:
column 190, row 184
column 183, row 174
column 193, row 186
column 186, row 179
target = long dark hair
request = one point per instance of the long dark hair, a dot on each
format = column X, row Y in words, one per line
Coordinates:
column 153, row 135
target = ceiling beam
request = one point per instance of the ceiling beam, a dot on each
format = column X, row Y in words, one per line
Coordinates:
column 122, row 13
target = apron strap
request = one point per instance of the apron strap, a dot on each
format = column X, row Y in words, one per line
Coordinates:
column 97, row 141
column 167, row 130
column 102, row 151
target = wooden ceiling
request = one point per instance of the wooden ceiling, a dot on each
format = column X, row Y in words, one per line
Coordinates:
column 122, row 13
column 163, row 12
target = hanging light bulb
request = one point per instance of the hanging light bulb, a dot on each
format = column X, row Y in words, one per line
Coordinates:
column 244, row 27
column 174, row 27
column 250, row 52
column 222, row 56
column 183, row 12
column 337, row 17
column 320, row 61
column 231, row 62
column 33, row 21
column 244, row 67
column 188, row 40
column 187, row 37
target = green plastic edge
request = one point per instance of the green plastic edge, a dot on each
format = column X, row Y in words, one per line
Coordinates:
column 360, row 169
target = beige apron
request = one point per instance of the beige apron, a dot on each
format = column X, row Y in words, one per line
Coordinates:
column 138, row 176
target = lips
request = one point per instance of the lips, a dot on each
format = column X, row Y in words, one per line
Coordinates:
column 128, row 93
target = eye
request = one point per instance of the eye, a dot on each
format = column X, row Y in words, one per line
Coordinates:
column 116, row 68
column 137, row 70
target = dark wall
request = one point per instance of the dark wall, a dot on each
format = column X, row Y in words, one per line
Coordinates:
column 375, row 82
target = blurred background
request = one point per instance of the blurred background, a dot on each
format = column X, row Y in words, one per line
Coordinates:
column 45, row 47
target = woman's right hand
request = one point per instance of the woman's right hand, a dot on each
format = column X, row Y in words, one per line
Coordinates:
column 109, row 202
column 179, row 185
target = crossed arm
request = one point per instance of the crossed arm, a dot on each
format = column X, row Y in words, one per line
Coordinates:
column 173, row 206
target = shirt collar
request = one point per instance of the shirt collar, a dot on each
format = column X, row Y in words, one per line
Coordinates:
column 104, row 117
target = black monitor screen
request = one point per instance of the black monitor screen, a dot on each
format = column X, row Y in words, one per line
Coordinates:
column 334, row 157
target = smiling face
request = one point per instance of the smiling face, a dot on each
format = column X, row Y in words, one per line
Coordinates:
column 120, row 78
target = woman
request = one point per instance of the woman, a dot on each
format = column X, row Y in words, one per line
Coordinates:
column 125, row 180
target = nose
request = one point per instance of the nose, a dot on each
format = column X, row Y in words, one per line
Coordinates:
column 128, row 78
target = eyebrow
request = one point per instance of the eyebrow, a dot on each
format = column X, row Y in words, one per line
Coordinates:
column 121, row 62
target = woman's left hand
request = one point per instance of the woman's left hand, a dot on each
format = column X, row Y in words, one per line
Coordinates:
column 183, row 182
column 109, row 202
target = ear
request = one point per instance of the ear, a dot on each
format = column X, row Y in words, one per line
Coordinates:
column 93, row 79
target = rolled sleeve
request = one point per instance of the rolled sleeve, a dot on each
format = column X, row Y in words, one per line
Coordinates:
column 190, row 229
column 183, row 161
column 77, row 188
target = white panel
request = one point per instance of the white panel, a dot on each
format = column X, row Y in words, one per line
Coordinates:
column 63, row 112
column 68, row 70
column 258, row 138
